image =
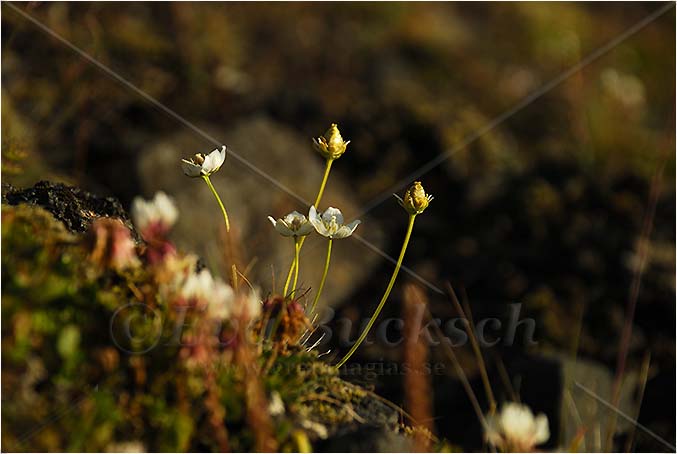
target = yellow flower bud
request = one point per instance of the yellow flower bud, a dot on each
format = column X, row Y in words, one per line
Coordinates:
column 415, row 199
column 331, row 145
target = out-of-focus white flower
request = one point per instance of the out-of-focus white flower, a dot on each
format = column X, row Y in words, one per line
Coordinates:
column 201, row 165
column 293, row 224
column 626, row 88
column 330, row 223
column 276, row 405
column 112, row 244
column 515, row 428
column 248, row 305
column 126, row 446
column 201, row 289
column 160, row 212
column 319, row 429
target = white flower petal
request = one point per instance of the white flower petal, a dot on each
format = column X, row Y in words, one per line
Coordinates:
column 221, row 157
column 214, row 161
column 161, row 209
column 294, row 215
column 541, row 430
column 209, row 164
column 190, row 169
column 316, row 221
column 332, row 212
column 353, row 225
column 313, row 215
column 140, row 212
column 305, row 229
column 166, row 209
column 282, row 228
column 342, row 232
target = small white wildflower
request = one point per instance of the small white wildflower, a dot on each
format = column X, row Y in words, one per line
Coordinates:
column 330, row 223
column 319, row 429
column 249, row 305
column 126, row 446
column 202, row 289
column 160, row 211
column 276, row 405
column 201, row 165
column 293, row 224
column 515, row 428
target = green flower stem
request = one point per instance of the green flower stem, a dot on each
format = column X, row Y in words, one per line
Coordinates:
column 324, row 277
column 325, row 177
column 297, row 249
column 291, row 270
column 357, row 343
column 218, row 199
column 318, row 199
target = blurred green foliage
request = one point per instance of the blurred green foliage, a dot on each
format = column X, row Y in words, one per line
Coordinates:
column 545, row 208
column 71, row 384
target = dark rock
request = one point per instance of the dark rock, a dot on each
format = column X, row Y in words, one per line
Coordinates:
column 75, row 207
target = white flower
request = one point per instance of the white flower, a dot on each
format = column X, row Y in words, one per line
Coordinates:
column 202, row 289
column 161, row 212
column 330, row 223
column 276, row 405
column 293, row 224
column 515, row 428
column 249, row 306
column 201, row 165
column 126, row 446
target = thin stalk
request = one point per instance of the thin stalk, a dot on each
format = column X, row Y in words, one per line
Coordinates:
column 291, row 270
column 410, row 228
column 644, row 376
column 218, row 199
column 325, row 177
column 475, row 348
column 324, row 277
column 460, row 372
column 318, row 199
column 297, row 249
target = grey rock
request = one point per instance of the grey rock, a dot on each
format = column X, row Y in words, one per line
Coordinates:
column 580, row 409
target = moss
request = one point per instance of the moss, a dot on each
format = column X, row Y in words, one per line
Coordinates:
column 59, row 347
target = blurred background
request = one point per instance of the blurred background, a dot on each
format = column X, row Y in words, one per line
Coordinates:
column 545, row 207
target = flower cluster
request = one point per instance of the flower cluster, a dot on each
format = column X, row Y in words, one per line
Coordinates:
column 294, row 224
column 111, row 245
column 329, row 224
column 154, row 217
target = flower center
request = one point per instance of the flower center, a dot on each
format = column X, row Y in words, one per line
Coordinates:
column 198, row 159
column 333, row 225
column 295, row 224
